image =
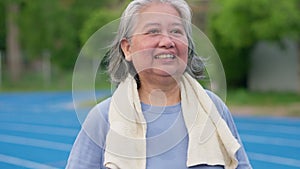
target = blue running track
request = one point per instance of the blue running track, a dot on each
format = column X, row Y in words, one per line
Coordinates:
column 37, row 130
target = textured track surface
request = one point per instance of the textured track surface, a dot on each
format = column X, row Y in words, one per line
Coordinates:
column 37, row 130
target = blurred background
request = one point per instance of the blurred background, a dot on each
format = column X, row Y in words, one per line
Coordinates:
column 258, row 42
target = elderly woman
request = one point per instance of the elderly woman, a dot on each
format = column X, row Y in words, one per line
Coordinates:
column 159, row 116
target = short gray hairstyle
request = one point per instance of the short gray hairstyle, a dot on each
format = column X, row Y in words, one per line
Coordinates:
column 118, row 67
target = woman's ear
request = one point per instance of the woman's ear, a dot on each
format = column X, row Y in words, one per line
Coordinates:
column 125, row 45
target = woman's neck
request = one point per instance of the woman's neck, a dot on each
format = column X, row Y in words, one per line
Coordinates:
column 160, row 94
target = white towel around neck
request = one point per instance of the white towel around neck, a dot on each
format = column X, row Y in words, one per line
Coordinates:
column 210, row 140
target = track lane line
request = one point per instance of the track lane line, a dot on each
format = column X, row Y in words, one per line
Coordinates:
column 35, row 142
column 24, row 163
column 29, row 128
column 274, row 159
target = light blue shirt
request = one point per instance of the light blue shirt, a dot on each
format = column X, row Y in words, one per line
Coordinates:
column 167, row 138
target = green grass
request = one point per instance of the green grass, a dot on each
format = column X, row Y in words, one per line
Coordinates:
column 59, row 81
column 34, row 81
column 244, row 97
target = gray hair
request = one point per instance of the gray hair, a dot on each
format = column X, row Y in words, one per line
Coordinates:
column 118, row 67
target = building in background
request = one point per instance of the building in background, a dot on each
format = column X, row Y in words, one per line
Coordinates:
column 275, row 66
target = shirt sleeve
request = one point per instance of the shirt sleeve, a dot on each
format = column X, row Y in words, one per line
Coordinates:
column 85, row 153
column 226, row 115
column 88, row 148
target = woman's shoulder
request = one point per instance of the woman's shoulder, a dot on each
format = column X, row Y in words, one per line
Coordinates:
column 96, row 123
column 219, row 103
column 215, row 98
column 103, row 106
column 98, row 112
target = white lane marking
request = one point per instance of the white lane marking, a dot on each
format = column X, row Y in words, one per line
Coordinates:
column 35, row 142
column 274, row 159
column 39, row 129
column 24, row 163
column 269, row 128
column 270, row 140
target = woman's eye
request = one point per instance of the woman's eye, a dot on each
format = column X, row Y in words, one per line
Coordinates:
column 177, row 31
column 153, row 31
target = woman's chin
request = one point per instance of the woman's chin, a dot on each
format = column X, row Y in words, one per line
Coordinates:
column 167, row 73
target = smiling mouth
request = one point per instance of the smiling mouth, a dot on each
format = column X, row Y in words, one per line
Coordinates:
column 164, row 56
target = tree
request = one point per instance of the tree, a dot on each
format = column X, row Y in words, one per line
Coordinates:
column 33, row 28
column 55, row 26
column 100, row 17
column 14, row 58
column 46, row 28
column 235, row 26
column 2, row 25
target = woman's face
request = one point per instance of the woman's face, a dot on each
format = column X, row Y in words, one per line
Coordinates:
column 159, row 45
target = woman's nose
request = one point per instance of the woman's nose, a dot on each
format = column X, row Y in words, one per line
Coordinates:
column 166, row 41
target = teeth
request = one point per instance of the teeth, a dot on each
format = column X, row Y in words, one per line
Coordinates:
column 165, row 56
